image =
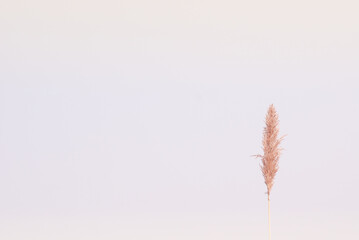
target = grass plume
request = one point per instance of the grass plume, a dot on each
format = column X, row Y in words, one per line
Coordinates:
column 271, row 152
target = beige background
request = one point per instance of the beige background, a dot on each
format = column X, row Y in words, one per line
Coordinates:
column 137, row 119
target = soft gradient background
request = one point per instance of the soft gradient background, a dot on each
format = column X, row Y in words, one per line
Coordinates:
column 136, row 120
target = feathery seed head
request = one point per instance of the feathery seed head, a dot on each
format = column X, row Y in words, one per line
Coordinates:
column 271, row 149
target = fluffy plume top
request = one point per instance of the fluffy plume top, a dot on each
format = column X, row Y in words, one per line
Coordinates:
column 271, row 149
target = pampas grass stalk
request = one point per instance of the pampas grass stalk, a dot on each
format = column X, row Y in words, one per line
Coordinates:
column 271, row 153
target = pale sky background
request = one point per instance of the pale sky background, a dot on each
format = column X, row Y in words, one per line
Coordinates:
column 135, row 120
